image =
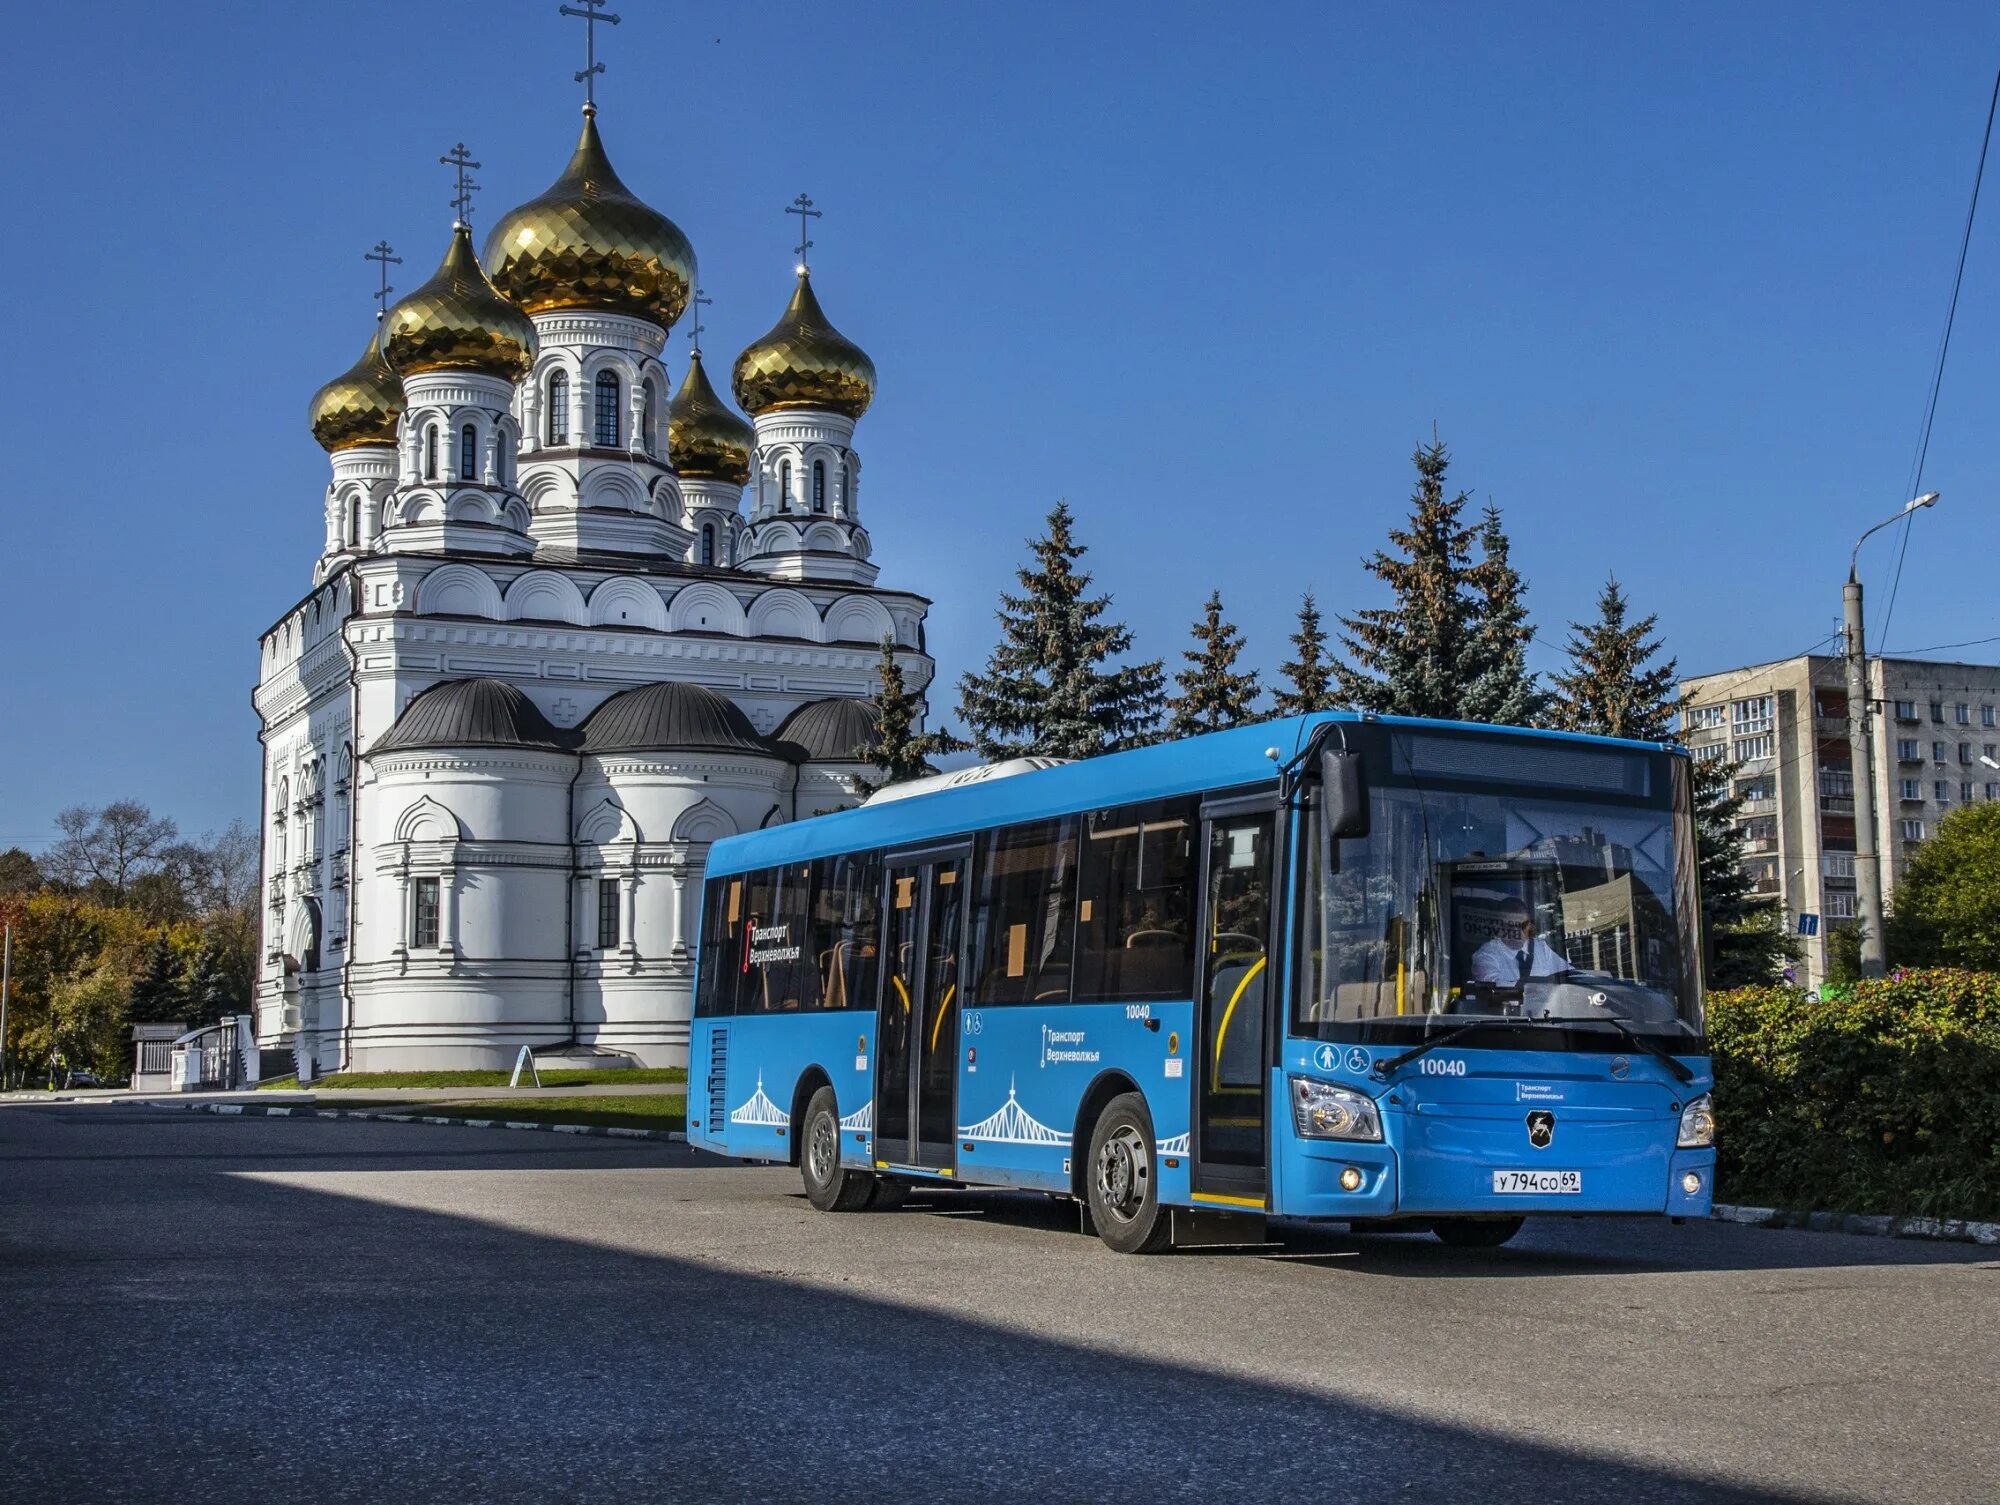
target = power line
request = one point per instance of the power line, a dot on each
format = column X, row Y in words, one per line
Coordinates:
column 1944, row 348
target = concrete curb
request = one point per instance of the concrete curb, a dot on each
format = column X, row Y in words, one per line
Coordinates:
column 1944, row 1230
column 257, row 1110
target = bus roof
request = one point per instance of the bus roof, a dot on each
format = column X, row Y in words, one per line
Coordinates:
column 1242, row 755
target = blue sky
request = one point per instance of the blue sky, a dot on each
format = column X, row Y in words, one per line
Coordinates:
column 1669, row 281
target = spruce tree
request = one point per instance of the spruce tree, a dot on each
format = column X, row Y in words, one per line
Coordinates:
column 899, row 750
column 1611, row 686
column 1308, row 677
column 1050, row 687
column 158, row 992
column 1213, row 695
column 1410, row 659
column 1500, row 688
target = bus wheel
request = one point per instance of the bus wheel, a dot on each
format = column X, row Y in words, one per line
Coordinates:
column 1120, row 1180
column 1476, row 1233
column 828, row 1187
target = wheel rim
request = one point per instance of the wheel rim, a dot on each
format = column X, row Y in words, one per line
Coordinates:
column 820, row 1150
column 1124, row 1173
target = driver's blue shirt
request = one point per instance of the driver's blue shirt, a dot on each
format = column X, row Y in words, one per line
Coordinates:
column 1498, row 962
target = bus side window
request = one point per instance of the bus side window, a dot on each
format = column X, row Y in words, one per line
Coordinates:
column 1024, row 913
column 779, row 976
column 1136, row 903
column 721, row 947
column 845, row 938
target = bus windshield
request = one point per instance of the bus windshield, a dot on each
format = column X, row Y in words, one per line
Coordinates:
column 1479, row 895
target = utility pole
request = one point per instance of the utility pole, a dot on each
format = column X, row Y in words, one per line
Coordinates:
column 1867, row 861
column 1867, row 856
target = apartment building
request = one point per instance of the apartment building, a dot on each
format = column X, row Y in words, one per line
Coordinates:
column 1784, row 726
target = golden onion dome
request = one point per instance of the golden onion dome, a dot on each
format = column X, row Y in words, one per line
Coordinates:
column 705, row 440
column 459, row 322
column 804, row 362
column 589, row 243
column 361, row 405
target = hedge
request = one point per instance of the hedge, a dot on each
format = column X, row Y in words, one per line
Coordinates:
column 1884, row 1100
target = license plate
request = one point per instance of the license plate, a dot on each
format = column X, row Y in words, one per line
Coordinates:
column 1538, row 1183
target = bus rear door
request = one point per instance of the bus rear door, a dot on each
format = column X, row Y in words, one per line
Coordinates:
column 917, row 1031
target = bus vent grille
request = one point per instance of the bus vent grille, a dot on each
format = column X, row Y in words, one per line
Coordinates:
column 718, row 1078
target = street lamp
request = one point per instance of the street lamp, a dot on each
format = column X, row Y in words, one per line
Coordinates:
column 1867, row 861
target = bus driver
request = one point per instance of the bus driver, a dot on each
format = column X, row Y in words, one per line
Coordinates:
column 1517, row 953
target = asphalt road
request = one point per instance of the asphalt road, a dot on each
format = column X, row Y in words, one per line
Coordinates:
column 219, row 1309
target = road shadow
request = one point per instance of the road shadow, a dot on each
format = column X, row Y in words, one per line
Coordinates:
column 231, row 1338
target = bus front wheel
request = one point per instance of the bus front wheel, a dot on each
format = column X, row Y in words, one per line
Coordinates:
column 1121, row 1180
column 829, row 1187
column 1476, row 1233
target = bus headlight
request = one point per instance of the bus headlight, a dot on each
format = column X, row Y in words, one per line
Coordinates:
column 1321, row 1110
column 1698, row 1124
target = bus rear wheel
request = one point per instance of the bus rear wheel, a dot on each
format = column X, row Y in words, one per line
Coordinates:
column 1121, row 1180
column 829, row 1187
column 1476, row 1233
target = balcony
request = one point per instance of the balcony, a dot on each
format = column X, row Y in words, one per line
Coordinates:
column 1763, row 805
column 1755, row 846
column 1836, row 804
column 1830, row 726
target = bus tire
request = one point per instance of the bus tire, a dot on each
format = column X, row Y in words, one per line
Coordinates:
column 1476, row 1233
column 829, row 1187
column 1121, row 1179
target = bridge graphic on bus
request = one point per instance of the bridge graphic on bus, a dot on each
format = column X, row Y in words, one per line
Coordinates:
column 1178, row 1145
column 760, row 1109
column 862, row 1120
column 1013, row 1124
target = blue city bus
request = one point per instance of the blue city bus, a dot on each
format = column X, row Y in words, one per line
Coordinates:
column 1370, row 969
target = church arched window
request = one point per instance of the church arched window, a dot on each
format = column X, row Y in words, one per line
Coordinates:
column 500, row 465
column 819, row 485
column 430, row 452
column 468, row 453
column 559, row 407
column 708, row 543
column 785, row 486
column 646, row 420
column 607, row 410
column 847, row 487
column 354, row 521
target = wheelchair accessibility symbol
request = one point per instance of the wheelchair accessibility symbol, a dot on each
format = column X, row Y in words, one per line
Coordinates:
column 1357, row 1059
column 1324, row 1057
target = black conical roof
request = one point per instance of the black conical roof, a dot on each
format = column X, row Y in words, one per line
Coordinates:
column 671, row 718
column 831, row 731
column 470, row 713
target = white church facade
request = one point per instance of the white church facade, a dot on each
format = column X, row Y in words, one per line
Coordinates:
column 553, row 650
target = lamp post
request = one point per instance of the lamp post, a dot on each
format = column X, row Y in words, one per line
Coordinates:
column 1867, row 860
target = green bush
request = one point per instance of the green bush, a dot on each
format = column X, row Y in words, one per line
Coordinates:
column 1883, row 1100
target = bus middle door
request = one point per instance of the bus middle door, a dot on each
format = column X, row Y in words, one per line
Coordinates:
column 916, row 1077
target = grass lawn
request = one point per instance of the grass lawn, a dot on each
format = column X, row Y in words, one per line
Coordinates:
column 631, row 1076
column 652, row 1110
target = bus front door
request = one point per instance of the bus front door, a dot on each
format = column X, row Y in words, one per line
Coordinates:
column 917, row 1055
column 1238, row 881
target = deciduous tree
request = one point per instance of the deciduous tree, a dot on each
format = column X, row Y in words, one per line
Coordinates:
column 1947, row 903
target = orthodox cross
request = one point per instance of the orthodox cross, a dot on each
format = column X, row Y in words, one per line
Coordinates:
column 459, row 159
column 803, row 208
column 590, row 14
column 381, row 254
column 695, row 326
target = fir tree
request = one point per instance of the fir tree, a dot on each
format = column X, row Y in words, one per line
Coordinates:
column 1050, row 687
column 1308, row 677
column 899, row 749
column 1500, row 688
column 1213, row 694
column 1410, row 659
column 211, row 992
column 1611, row 686
column 158, row 992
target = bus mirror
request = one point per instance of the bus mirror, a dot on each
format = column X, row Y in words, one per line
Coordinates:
column 1344, row 801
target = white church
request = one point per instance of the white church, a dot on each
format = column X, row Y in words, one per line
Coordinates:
column 552, row 651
